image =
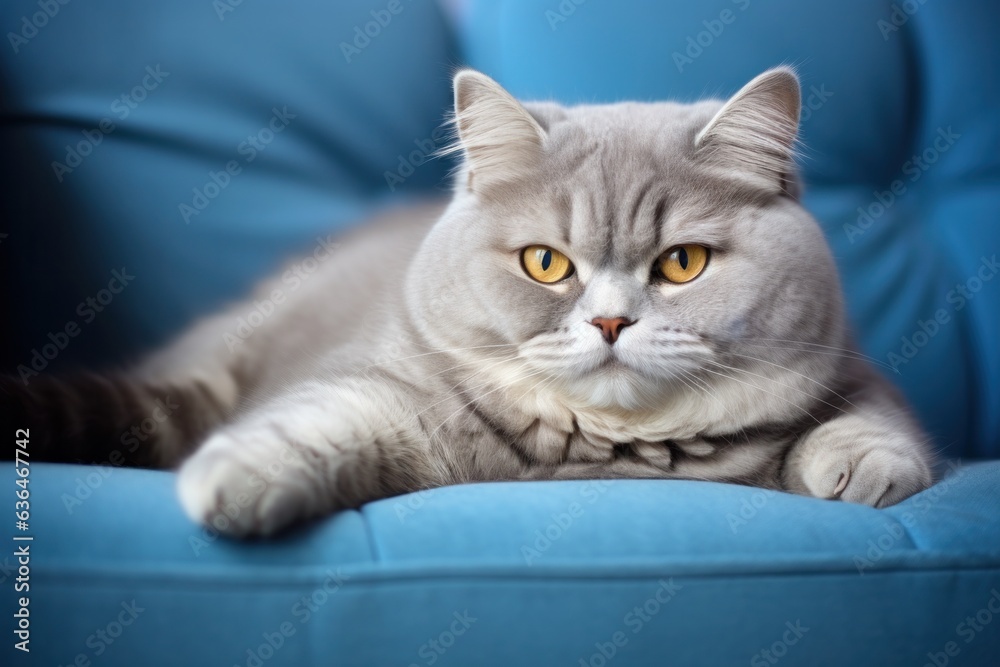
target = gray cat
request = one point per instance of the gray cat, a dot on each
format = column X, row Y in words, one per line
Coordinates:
column 614, row 291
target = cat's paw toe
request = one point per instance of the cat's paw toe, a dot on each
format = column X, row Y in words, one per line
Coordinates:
column 827, row 479
column 217, row 489
column 875, row 477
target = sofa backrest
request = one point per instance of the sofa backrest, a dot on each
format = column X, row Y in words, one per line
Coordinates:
column 197, row 144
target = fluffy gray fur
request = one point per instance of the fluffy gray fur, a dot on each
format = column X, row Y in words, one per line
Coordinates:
column 420, row 353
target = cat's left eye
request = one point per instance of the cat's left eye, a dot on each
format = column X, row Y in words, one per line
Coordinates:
column 682, row 263
column 545, row 264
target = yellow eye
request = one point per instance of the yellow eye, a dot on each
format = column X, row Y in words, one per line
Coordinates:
column 683, row 263
column 545, row 264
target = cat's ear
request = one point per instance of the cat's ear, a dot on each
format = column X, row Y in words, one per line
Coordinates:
column 754, row 133
column 501, row 140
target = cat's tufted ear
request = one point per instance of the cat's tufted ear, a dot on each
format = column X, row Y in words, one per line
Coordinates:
column 501, row 140
column 754, row 133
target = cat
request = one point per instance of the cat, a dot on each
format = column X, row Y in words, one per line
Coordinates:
column 629, row 290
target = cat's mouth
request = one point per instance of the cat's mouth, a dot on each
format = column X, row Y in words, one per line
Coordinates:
column 614, row 383
column 613, row 363
column 608, row 361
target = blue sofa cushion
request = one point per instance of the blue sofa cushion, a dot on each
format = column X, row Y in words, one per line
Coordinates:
column 541, row 573
column 901, row 161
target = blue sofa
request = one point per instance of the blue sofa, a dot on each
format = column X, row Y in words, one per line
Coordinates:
column 195, row 145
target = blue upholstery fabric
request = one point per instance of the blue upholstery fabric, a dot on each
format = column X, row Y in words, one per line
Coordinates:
column 220, row 77
column 549, row 571
column 597, row 573
column 879, row 88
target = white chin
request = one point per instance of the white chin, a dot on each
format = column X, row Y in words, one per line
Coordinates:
column 617, row 387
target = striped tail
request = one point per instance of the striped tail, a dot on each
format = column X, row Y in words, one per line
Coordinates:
column 106, row 419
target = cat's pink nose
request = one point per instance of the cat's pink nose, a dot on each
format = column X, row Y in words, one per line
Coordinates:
column 611, row 327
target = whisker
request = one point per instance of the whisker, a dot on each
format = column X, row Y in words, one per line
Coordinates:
column 451, row 393
column 424, row 354
column 764, row 377
column 555, row 358
column 828, row 354
column 535, row 387
column 829, row 349
column 714, row 396
column 530, row 374
column 759, row 388
column 466, row 363
column 802, row 375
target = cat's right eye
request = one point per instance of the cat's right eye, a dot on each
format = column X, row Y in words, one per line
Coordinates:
column 682, row 263
column 545, row 264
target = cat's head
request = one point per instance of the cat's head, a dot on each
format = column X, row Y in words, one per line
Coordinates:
column 626, row 253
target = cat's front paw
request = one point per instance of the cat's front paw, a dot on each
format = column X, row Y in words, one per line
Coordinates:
column 243, row 486
column 870, row 468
